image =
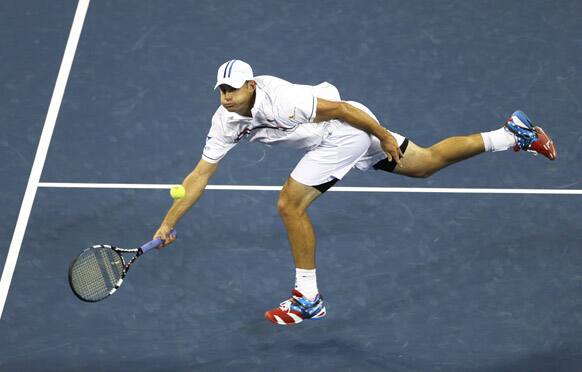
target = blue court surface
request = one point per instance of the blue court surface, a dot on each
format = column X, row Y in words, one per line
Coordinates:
column 414, row 281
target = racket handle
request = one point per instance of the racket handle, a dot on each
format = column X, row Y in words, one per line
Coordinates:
column 156, row 243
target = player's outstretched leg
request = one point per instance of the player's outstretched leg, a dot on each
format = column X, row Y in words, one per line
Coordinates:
column 305, row 302
column 518, row 133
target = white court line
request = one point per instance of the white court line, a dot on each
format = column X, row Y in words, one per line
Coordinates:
column 440, row 190
column 41, row 151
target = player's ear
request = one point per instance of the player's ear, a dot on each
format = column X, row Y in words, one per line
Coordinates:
column 252, row 84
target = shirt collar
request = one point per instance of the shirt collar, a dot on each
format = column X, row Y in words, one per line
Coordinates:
column 233, row 116
column 259, row 98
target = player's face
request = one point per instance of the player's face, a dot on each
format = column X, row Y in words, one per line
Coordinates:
column 238, row 100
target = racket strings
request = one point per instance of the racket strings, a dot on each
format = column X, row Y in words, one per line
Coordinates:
column 96, row 273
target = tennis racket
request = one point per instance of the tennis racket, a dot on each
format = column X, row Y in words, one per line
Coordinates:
column 98, row 271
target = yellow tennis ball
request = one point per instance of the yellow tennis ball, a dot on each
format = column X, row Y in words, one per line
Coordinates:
column 178, row 192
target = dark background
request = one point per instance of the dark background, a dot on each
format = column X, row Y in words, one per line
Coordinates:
column 413, row 282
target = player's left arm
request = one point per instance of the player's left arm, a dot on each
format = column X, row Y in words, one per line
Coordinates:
column 330, row 110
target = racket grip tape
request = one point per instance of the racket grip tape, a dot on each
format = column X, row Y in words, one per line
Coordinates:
column 156, row 243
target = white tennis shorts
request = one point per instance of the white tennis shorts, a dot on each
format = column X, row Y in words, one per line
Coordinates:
column 344, row 148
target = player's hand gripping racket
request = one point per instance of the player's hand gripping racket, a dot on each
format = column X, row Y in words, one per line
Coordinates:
column 99, row 270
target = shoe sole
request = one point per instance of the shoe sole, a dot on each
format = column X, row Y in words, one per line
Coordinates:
column 277, row 320
column 297, row 319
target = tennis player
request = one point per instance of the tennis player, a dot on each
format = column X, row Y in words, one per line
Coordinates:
column 336, row 136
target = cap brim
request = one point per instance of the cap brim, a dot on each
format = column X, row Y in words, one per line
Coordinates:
column 233, row 82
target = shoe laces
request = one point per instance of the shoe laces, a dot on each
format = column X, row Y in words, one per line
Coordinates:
column 286, row 305
column 524, row 136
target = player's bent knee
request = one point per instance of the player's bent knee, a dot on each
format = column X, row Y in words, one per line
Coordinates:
column 419, row 173
column 287, row 207
column 282, row 205
column 427, row 173
column 434, row 163
column 295, row 198
column 424, row 172
column 418, row 162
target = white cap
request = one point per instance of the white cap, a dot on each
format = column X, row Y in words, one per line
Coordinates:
column 234, row 73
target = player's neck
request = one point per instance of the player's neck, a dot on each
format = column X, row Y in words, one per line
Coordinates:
column 248, row 111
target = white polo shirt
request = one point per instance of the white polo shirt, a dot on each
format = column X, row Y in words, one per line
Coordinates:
column 283, row 114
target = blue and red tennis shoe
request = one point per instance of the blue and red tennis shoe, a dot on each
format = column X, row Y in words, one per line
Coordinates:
column 297, row 309
column 529, row 137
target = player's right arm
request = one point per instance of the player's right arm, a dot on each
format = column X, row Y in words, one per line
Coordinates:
column 194, row 184
column 329, row 110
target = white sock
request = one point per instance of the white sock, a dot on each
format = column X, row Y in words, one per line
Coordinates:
column 306, row 283
column 498, row 140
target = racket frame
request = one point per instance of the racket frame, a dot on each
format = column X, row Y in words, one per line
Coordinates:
column 137, row 252
column 152, row 244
